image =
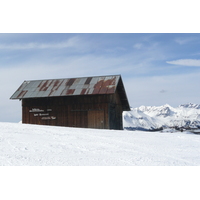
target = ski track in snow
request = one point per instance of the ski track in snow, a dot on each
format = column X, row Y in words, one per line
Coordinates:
column 33, row 145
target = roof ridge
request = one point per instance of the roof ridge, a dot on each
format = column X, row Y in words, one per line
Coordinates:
column 72, row 78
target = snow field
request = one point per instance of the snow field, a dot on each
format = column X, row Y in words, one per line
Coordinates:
column 34, row 145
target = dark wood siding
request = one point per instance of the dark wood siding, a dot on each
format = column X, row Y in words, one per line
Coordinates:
column 86, row 111
column 115, row 112
column 96, row 119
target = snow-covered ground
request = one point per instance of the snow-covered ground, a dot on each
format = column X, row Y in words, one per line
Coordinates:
column 34, row 145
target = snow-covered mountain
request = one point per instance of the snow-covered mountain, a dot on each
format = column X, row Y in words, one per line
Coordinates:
column 157, row 117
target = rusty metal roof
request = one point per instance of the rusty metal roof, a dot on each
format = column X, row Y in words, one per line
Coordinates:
column 67, row 87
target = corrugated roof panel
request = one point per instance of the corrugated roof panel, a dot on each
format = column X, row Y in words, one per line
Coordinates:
column 94, row 80
column 36, row 94
column 77, row 91
column 33, row 94
column 65, row 87
column 64, row 92
column 83, row 92
column 70, row 92
column 106, row 82
column 81, row 86
column 58, row 92
column 15, row 95
column 98, row 85
column 70, row 81
column 45, row 93
column 56, row 84
column 110, row 89
column 29, row 86
column 46, row 85
column 62, row 86
column 90, row 91
column 22, row 86
column 82, row 81
column 27, row 94
column 111, row 85
column 91, row 86
column 88, row 80
column 21, row 94
column 73, row 86
column 36, row 84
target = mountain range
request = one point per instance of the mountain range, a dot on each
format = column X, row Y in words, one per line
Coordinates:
column 151, row 118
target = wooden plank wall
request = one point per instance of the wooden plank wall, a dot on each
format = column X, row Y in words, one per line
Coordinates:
column 73, row 111
column 115, row 112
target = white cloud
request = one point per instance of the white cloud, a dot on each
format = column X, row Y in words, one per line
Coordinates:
column 185, row 40
column 138, row 46
column 186, row 62
column 72, row 42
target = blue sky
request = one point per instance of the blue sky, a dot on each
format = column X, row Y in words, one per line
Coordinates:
column 156, row 68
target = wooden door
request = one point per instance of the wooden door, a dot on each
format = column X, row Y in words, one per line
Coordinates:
column 96, row 119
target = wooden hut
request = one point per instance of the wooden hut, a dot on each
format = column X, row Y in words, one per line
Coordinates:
column 88, row 102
